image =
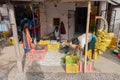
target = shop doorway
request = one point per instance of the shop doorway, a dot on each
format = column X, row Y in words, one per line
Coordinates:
column 80, row 20
column 31, row 13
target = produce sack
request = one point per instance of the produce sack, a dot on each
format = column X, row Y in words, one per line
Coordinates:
column 103, row 40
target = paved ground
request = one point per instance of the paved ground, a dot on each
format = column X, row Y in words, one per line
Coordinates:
column 107, row 63
column 79, row 76
column 107, row 67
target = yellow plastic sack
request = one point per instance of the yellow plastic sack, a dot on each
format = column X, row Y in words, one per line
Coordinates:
column 103, row 40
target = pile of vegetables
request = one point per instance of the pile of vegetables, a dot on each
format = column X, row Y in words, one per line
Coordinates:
column 71, row 60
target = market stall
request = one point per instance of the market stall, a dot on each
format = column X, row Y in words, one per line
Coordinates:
column 78, row 62
column 83, row 64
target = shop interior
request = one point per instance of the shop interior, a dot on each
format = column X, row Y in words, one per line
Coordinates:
column 31, row 13
column 80, row 19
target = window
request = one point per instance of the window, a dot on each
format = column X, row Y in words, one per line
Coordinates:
column 56, row 21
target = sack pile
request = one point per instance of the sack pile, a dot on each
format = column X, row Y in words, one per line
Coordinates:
column 103, row 40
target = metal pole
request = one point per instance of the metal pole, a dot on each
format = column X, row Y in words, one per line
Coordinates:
column 87, row 30
column 15, row 35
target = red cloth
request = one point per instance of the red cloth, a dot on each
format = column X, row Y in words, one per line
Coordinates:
column 37, row 30
column 62, row 28
column 119, row 55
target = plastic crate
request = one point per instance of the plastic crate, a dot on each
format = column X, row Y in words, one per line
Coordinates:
column 37, row 54
column 53, row 46
column 89, row 67
column 72, row 68
column 76, row 57
column 44, row 42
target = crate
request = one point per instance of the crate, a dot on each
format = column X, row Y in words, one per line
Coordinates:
column 89, row 67
column 37, row 54
column 53, row 46
column 76, row 57
column 72, row 68
column 44, row 42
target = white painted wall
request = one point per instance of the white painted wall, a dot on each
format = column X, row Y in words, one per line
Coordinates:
column 61, row 11
column 117, row 21
column 82, row 4
column 3, row 10
column 103, row 7
column 43, row 20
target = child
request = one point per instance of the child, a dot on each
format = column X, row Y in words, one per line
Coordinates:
column 27, row 41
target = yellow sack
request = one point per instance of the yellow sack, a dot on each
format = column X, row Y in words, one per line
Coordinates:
column 103, row 40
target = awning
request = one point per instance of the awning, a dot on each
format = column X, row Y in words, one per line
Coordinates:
column 109, row 1
column 55, row 0
column 28, row 0
column 79, row 0
column 116, row 1
column 3, row 1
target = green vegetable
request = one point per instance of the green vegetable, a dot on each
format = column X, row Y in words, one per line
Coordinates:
column 71, row 60
column 64, row 60
column 78, row 53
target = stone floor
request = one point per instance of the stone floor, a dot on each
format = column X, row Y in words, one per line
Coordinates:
column 53, row 58
column 106, row 65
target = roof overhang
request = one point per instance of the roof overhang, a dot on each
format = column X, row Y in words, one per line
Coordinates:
column 79, row 0
column 111, row 2
column 55, row 0
column 64, row 1
column 3, row 1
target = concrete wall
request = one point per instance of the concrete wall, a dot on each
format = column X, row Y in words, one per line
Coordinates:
column 103, row 7
column 43, row 20
column 117, row 21
column 61, row 11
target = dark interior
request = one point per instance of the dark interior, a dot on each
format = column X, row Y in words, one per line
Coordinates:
column 80, row 19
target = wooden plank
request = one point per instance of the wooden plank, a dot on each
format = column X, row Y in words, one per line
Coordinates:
column 15, row 35
column 118, row 38
column 87, row 31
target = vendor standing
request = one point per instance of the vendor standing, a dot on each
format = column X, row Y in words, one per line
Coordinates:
column 26, row 38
